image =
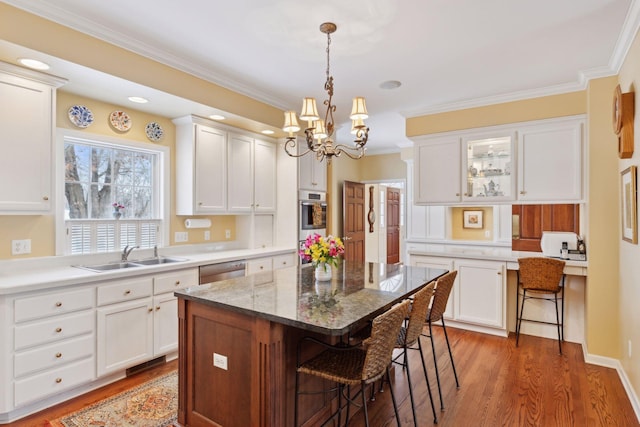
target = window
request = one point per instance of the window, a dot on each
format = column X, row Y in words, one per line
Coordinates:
column 113, row 196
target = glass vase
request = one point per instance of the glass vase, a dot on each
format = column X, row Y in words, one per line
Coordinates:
column 323, row 272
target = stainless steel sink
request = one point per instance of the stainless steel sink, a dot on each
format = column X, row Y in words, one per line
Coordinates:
column 109, row 266
column 157, row 261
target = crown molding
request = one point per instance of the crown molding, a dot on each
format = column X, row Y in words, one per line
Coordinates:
column 627, row 35
column 99, row 31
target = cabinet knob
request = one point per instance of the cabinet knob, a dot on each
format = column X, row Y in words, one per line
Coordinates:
column 465, row 194
column 58, row 380
column 458, row 194
column 45, row 198
column 199, row 203
column 177, row 282
column 499, row 273
column 58, row 304
column 58, row 330
column 257, row 205
column 127, row 292
column 150, row 310
column 58, row 355
column 157, row 307
column 523, row 192
column 261, row 267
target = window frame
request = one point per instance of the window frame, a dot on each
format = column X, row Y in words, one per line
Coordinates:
column 162, row 177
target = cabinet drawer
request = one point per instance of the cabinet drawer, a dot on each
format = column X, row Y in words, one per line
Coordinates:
column 53, row 355
column 55, row 381
column 40, row 306
column 53, row 330
column 259, row 265
column 170, row 282
column 125, row 290
column 282, row 261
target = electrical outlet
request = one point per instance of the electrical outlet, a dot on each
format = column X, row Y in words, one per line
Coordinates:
column 220, row 361
column 207, row 235
column 227, row 234
column 21, row 247
column 182, row 236
column 487, row 233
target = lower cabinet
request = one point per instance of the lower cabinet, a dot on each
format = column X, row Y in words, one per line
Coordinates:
column 165, row 324
column 478, row 299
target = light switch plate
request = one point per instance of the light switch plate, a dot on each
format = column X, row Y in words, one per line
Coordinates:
column 182, row 236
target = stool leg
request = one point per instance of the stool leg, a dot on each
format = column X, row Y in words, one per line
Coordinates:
column 453, row 365
column 426, row 377
column 435, row 362
column 393, row 399
column 519, row 320
column 405, row 364
column 558, row 323
column 364, row 405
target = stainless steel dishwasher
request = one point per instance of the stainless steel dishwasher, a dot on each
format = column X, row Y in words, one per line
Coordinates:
column 221, row 271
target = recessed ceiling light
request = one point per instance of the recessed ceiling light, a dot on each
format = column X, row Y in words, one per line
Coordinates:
column 268, row 132
column 217, row 117
column 138, row 99
column 34, row 63
column 390, row 84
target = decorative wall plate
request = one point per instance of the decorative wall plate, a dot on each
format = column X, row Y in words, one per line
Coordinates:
column 80, row 116
column 154, row 131
column 120, row 121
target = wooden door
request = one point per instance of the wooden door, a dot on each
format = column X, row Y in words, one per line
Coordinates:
column 534, row 219
column 393, row 225
column 353, row 203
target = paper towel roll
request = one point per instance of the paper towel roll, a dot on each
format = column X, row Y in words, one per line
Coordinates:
column 197, row 223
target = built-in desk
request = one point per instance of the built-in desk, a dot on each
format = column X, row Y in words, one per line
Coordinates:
column 238, row 337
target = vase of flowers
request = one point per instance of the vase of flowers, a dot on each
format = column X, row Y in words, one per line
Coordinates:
column 116, row 210
column 323, row 252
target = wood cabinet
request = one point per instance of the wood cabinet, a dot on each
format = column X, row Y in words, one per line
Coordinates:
column 312, row 174
column 478, row 297
column 550, row 159
column 487, row 166
column 27, row 101
column 530, row 221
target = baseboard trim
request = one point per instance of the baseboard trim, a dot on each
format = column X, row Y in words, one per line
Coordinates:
column 610, row 362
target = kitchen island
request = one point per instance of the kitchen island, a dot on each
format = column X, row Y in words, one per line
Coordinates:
column 238, row 337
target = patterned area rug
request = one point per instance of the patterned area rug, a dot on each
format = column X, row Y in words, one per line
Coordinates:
column 152, row 404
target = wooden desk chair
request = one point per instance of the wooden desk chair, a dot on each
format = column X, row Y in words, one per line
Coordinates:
column 410, row 336
column 539, row 278
column 439, row 304
column 355, row 366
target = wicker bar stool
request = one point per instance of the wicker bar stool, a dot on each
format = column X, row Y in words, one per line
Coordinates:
column 410, row 336
column 353, row 366
column 439, row 304
column 539, row 278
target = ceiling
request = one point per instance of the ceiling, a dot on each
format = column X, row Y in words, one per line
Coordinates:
column 447, row 54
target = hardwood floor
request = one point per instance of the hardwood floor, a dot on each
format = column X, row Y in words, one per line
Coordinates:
column 500, row 385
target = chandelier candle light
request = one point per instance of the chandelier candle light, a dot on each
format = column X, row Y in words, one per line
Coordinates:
column 319, row 133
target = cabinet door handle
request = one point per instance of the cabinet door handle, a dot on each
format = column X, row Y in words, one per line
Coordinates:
column 523, row 192
column 157, row 307
column 58, row 330
column 58, row 355
column 261, row 267
column 177, row 282
column 199, row 203
column 458, row 194
column 150, row 310
column 499, row 273
column 58, row 380
column 45, row 198
column 127, row 292
column 465, row 194
column 58, row 304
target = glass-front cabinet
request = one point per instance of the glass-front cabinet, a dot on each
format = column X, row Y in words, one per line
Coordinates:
column 488, row 168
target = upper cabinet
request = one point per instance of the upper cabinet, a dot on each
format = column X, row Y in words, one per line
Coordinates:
column 27, row 100
column 550, row 162
column 220, row 170
column 312, row 174
column 538, row 161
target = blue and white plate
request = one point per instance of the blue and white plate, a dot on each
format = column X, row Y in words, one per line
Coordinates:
column 154, row 131
column 80, row 116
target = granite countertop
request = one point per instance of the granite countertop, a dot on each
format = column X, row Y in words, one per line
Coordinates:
column 356, row 293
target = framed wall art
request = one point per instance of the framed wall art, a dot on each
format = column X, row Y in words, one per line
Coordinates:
column 472, row 219
column 629, row 204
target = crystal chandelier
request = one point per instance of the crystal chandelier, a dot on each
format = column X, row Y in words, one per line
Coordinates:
column 319, row 133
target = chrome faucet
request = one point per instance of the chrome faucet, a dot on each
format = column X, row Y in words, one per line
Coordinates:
column 126, row 251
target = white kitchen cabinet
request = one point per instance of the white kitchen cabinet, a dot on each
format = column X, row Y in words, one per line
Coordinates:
column 27, row 101
column 437, row 176
column 550, row 161
column 487, row 167
column 481, row 295
column 201, row 167
column 259, row 265
column 252, row 175
column 478, row 297
column 312, row 174
column 124, row 335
